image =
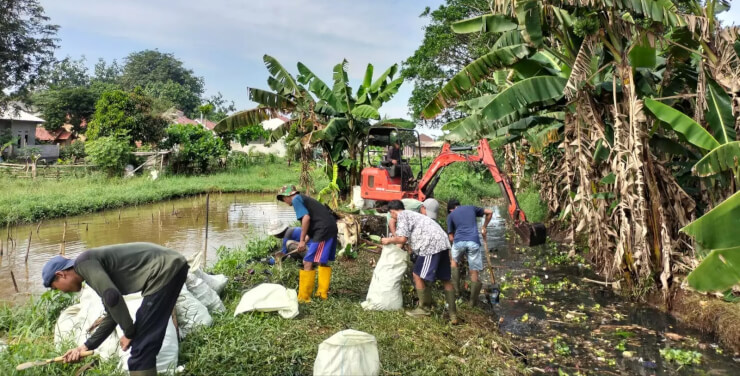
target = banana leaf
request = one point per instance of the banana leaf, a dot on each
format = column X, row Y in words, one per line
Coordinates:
column 281, row 74
column 718, row 228
column 723, row 158
column 473, row 73
column 244, row 119
column 270, row 100
column 528, row 15
column 366, row 112
column 508, row 39
column 719, row 115
column 524, row 94
column 679, row 122
column 719, row 271
column 737, row 48
column 390, row 72
column 341, row 90
column 663, row 11
column 398, row 123
column 490, row 23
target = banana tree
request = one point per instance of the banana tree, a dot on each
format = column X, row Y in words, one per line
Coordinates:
column 288, row 97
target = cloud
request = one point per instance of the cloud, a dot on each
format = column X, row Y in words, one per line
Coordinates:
column 224, row 40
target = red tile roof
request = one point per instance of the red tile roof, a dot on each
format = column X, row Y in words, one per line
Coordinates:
column 425, row 138
column 43, row 135
column 209, row 124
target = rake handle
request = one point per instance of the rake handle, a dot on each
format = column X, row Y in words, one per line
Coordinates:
column 61, row 358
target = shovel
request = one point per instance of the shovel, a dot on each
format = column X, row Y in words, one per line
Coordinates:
column 493, row 292
column 58, row 359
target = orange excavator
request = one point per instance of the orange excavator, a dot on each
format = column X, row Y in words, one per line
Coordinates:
column 394, row 180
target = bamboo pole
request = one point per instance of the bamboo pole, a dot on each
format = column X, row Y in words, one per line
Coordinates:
column 28, row 247
column 205, row 245
column 38, row 227
column 12, row 276
column 64, row 239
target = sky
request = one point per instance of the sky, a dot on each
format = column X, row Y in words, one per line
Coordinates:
column 224, row 40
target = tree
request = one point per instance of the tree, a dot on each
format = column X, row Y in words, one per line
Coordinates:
column 221, row 107
column 27, row 42
column 442, row 53
column 197, row 150
column 67, row 73
column 123, row 114
column 68, row 105
column 107, row 73
column 110, row 153
column 163, row 76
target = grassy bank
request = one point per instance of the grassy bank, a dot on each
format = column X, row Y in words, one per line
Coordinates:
column 27, row 201
column 265, row 344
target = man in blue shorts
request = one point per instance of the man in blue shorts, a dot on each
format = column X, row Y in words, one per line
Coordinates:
column 429, row 241
column 462, row 227
column 319, row 226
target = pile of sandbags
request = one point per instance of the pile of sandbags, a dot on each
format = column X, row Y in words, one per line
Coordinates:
column 384, row 293
column 198, row 298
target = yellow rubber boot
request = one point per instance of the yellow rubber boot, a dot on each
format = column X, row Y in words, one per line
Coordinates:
column 306, row 282
column 324, row 280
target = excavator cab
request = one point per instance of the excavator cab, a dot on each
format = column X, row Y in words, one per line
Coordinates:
column 384, row 179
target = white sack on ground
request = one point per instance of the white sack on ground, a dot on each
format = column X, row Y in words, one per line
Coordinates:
column 357, row 201
column 167, row 357
column 347, row 231
column 204, row 293
column 269, row 297
column 217, row 282
column 191, row 313
column 384, row 293
column 349, row 352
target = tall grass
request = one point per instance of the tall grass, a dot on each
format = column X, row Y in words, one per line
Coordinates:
column 27, row 201
column 534, row 207
column 28, row 331
column 469, row 183
column 265, row 344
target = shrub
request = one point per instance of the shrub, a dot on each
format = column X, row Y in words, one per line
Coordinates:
column 197, row 150
column 118, row 113
column 237, row 159
column 530, row 201
column 111, row 153
column 73, row 152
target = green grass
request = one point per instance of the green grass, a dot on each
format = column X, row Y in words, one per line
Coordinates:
column 27, row 201
column 265, row 344
column 469, row 183
column 28, row 331
column 530, row 201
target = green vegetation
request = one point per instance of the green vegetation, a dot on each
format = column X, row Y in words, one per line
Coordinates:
column 28, row 331
column 196, row 150
column 469, row 183
column 533, row 206
column 265, row 344
column 111, row 153
column 682, row 357
column 26, row 200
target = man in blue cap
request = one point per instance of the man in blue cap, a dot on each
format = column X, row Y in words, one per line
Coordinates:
column 116, row 270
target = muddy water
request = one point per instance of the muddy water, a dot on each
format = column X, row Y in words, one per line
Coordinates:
column 558, row 321
column 177, row 224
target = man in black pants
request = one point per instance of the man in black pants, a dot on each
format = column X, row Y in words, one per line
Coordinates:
column 116, row 270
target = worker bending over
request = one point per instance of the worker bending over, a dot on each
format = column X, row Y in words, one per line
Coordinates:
column 429, row 242
column 462, row 227
column 116, row 270
column 287, row 234
column 319, row 226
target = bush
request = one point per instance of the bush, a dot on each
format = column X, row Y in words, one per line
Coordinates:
column 237, row 159
column 197, row 150
column 534, row 208
column 73, row 152
column 119, row 113
column 111, row 154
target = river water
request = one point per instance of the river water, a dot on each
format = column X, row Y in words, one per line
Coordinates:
column 177, row 224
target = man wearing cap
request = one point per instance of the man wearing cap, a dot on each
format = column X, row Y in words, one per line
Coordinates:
column 319, row 226
column 116, row 270
column 282, row 231
column 429, row 241
column 462, row 228
column 430, row 208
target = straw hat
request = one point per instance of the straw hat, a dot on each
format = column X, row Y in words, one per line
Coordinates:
column 276, row 227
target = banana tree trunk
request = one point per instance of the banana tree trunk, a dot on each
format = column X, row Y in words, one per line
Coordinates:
column 305, row 179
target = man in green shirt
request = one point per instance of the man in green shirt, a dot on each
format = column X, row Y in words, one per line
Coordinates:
column 116, row 270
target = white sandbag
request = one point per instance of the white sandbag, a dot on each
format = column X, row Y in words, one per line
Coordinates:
column 357, row 201
column 269, row 297
column 191, row 313
column 349, row 352
column 217, row 282
column 348, row 230
column 204, row 293
column 75, row 322
column 167, row 357
column 384, row 293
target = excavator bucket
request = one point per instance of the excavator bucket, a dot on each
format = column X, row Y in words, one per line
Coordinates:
column 531, row 233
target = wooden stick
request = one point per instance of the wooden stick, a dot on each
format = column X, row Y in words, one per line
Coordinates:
column 28, row 247
column 12, row 276
column 64, row 239
column 38, row 226
column 205, row 245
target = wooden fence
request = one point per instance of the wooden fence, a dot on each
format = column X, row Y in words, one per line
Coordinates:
column 56, row 171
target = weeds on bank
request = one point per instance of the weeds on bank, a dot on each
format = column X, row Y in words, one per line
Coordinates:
column 28, row 201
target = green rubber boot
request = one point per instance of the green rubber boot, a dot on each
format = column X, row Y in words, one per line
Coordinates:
column 456, row 280
column 474, row 293
column 451, row 306
column 425, row 299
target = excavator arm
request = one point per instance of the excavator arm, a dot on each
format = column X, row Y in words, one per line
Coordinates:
column 532, row 234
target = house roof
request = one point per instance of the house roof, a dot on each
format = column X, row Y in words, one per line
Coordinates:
column 209, row 124
column 425, row 138
column 42, row 134
column 19, row 115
